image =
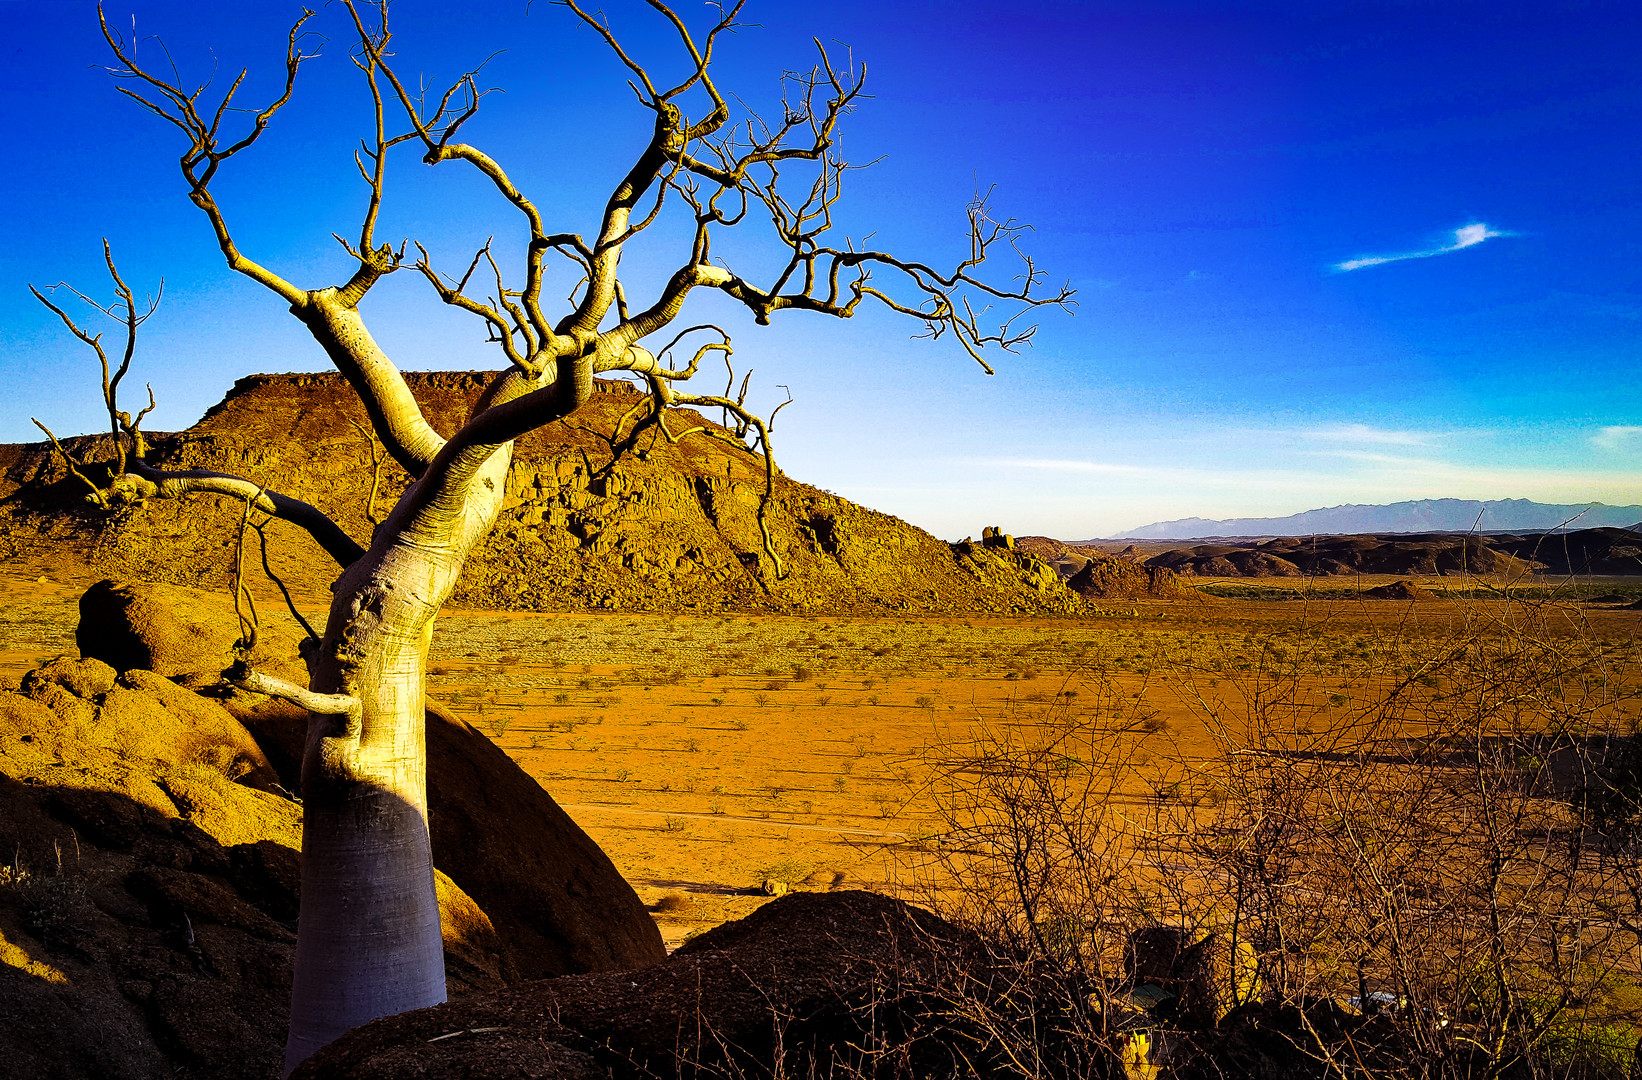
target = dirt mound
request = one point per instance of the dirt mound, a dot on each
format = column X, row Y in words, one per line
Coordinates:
column 667, row 526
column 1397, row 590
column 150, row 894
column 795, row 975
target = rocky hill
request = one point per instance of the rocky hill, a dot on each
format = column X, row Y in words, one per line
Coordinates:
column 667, row 526
column 1096, row 575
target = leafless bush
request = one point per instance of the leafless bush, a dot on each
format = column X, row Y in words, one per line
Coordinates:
column 1436, row 874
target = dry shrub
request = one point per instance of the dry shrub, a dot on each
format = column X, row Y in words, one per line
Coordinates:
column 674, row 904
column 1440, row 876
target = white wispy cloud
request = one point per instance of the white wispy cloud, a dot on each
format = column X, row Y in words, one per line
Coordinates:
column 1067, row 465
column 1616, row 437
column 1363, row 433
column 1464, row 237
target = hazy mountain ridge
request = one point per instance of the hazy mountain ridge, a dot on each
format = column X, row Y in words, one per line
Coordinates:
column 1412, row 516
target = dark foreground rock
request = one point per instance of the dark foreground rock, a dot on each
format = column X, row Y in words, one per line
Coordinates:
column 812, row 980
column 148, row 893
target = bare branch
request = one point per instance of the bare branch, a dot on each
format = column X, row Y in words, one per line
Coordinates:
column 121, row 425
column 75, row 466
column 205, row 153
column 143, row 483
column 369, row 436
column 344, row 705
column 290, row 604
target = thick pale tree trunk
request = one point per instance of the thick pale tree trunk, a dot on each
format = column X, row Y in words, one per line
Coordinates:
column 369, row 943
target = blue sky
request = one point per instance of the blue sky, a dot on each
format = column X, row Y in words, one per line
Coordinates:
column 1324, row 253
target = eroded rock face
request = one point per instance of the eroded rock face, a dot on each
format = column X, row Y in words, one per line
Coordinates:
column 796, row 974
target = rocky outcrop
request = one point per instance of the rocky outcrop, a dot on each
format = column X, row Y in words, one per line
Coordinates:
column 814, row 979
column 149, row 893
column 667, row 526
column 1109, row 578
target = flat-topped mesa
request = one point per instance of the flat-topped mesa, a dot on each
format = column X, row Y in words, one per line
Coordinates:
column 669, row 525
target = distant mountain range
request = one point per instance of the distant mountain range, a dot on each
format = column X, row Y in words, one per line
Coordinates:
column 1416, row 516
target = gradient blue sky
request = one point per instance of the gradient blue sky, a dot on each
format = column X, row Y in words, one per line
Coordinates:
column 1324, row 253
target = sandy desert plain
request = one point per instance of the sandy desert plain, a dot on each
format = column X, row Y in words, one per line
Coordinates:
column 707, row 754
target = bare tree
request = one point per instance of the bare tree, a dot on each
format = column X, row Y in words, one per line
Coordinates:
column 369, row 943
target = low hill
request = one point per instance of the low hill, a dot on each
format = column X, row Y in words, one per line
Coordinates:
column 1414, row 516
column 667, row 526
column 1096, row 575
column 1588, row 551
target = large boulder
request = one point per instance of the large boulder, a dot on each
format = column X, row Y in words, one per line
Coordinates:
column 172, row 631
column 149, row 903
column 811, row 979
column 558, row 904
